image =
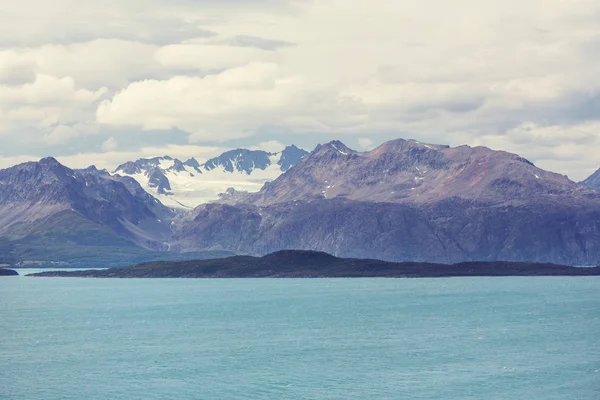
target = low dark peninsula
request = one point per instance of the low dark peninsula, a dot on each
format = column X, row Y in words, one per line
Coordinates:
column 311, row 264
column 8, row 272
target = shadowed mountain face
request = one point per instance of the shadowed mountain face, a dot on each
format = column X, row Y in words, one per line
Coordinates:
column 49, row 203
column 407, row 201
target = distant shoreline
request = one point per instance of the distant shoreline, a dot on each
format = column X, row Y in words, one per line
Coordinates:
column 311, row 264
column 8, row 272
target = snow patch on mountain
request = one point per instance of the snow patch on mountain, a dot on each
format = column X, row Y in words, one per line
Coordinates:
column 188, row 184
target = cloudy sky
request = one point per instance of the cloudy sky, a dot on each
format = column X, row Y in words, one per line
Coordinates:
column 106, row 81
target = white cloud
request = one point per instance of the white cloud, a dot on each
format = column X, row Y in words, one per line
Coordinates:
column 48, row 90
column 272, row 146
column 52, row 107
column 33, row 22
column 227, row 105
column 208, row 57
column 110, row 144
column 95, row 64
column 365, row 143
column 512, row 74
column 61, row 134
column 111, row 159
column 14, row 72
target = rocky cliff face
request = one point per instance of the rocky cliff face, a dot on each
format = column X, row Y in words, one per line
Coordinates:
column 408, row 201
column 50, row 201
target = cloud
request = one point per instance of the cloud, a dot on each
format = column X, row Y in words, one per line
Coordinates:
column 271, row 146
column 48, row 90
column 207, row 57
column 110, row 144
column 365, row 143
column 15, row 73
column 60, row 134
column 35, row 22
column 515, row 75
column 227, row 105
column 111, row 159
column 95, row 64
column 31, row 23
column 54, row 107
column 255, row 41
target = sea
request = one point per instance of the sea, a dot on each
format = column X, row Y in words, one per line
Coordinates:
column 449, row 338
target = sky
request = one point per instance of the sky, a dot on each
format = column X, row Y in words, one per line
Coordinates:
column 103, row 82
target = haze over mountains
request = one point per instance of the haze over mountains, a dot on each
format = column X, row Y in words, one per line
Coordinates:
column 403, row 201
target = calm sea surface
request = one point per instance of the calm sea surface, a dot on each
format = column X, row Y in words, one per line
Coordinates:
column 462, row 338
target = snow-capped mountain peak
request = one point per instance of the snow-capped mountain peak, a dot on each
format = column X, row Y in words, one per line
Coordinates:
column 190, row 183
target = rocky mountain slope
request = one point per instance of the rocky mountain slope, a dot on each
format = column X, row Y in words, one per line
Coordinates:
column 593, row 181
column 47, row 203
column 407, row 171
column 188, row 184
column 407, row 201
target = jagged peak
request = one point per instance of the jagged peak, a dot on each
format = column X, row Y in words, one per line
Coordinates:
column 292, row 147
column 192, row 162
column 92, row 169
column 240, row 160
column 334, row 146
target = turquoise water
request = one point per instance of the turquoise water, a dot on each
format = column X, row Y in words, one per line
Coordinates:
column 467, row 338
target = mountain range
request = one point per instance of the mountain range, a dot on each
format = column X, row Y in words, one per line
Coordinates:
column 187, row 184
column 407, row 200
column 402, row 201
